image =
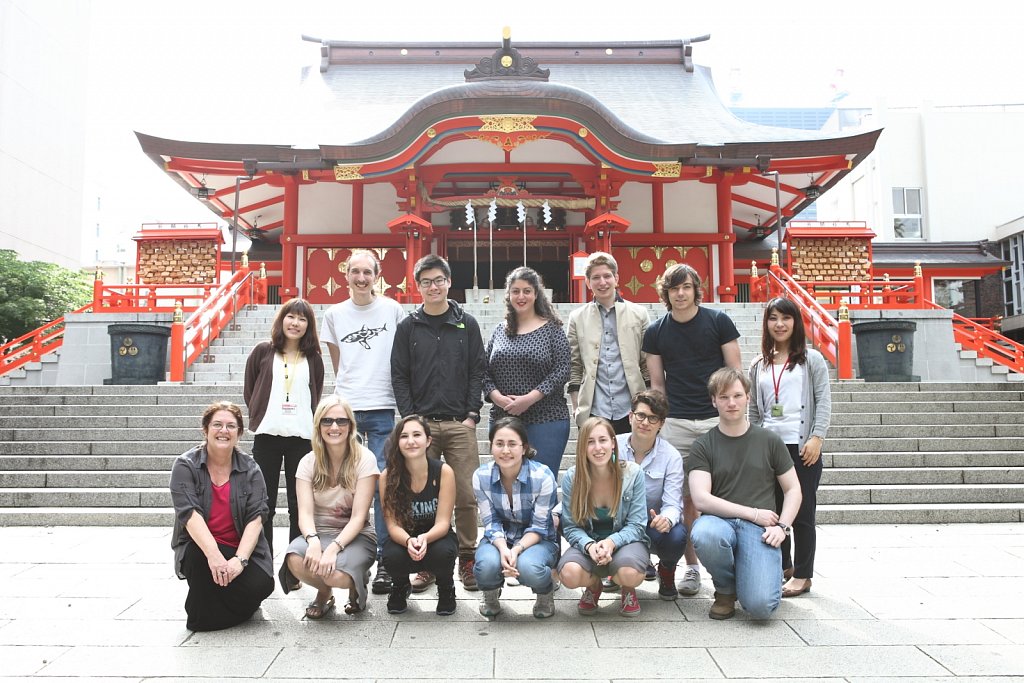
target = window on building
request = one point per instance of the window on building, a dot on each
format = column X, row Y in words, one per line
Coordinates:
column 907, row 216
column 959, row 295
column 1013, row 276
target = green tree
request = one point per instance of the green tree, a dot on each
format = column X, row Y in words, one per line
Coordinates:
column 32, row 293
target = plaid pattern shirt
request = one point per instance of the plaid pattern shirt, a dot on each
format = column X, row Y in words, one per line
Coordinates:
column 534, row 494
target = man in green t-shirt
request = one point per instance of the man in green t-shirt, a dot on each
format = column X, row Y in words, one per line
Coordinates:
column 733, row 469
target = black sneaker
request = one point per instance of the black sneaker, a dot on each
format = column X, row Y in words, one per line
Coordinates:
column 651, row 574
column 398, row 599
column 446, row 604
column 381, row 581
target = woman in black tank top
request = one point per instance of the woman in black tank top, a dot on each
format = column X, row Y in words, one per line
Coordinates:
column 417, row 497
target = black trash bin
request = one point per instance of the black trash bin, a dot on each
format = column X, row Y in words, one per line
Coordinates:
column 885, row 350
column 138, row 353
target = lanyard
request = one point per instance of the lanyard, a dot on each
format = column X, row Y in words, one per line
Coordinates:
column 777, row 383
column 289, row 379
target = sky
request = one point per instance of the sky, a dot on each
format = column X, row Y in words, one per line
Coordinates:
column 203, row 70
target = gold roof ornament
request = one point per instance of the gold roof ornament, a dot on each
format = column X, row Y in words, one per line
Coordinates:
column 775, row 256
column 844, row 311
column 917, row 269
column 179, row 315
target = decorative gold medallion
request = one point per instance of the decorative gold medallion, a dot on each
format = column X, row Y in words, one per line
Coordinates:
column 508, row 142
column 670, row 263
column 506, row 61
column 342, row 172
column 431, row 132
column 584, row 132
column 507, row 123
column 646, row 265
column 667, row 169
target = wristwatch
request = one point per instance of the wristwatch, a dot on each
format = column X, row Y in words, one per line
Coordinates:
column 244, row 561
column 786, row 529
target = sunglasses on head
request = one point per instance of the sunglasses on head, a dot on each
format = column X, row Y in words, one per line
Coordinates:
column 340, row 421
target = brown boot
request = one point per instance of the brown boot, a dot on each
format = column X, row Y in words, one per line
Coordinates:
column 724, row 607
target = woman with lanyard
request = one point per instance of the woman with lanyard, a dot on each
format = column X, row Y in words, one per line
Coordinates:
column 283, row 381
column 793, row 399
column 515, row 495
column 418, row 499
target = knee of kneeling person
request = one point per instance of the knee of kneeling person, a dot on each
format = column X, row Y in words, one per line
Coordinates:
column 762, row 607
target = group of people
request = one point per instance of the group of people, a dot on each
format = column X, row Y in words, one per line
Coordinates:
column 679, row 453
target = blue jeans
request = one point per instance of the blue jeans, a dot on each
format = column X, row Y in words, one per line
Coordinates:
column 549, row 439
column 375, row 426
column 739, row 562
column 534, row 565
column 668, row 546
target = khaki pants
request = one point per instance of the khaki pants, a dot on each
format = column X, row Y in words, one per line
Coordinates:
column 457, row 443
column 682, row 433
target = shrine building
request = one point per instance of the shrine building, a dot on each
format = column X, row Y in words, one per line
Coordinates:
column 557, row 148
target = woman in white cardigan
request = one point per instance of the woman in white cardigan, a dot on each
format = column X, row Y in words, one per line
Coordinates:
column 792, row 398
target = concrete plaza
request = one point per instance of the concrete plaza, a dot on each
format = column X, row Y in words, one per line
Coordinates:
column 921, row 602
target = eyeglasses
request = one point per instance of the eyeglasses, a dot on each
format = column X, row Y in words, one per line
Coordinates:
column 436, row 282
column 649, row 419
column 340, row 421
column 217, row 426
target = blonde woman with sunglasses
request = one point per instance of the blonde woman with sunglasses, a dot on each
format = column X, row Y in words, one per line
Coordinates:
column 334, row 485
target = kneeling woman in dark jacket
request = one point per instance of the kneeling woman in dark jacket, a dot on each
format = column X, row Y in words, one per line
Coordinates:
column 220, row 502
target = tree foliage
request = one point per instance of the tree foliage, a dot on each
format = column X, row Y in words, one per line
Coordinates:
column 32, row 293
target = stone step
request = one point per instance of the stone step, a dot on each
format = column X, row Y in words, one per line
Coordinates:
column 967, row 457
column 933, row 513
column 861, row 476
column 944, row 418
column 880, row 397
column 886, row 445
column 981, row 430
column 907, row 494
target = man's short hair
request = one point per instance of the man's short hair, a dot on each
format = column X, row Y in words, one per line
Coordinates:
column 429, row 262
column 364, row 253
column 601, row 258
column 675, row 276
column 723, row 378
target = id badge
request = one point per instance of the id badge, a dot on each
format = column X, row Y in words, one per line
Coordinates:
column 289, row 408
column 776, row 410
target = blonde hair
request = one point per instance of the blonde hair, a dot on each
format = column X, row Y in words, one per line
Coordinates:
column 346, row 475
column 581, row 505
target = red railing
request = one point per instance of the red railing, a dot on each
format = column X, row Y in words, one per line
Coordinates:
column 189, row 338
column 976, row 335
column 833, row 338
column 32, row 346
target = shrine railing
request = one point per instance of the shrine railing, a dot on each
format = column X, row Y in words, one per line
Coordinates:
column 32, row 346
column 975, row 334
column 831, row 336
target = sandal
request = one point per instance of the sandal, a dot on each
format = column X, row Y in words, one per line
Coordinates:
column 353, row 606
column 319, row 610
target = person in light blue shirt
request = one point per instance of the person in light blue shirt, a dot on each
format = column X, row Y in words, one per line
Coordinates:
column 515, row 495
column 663, row 481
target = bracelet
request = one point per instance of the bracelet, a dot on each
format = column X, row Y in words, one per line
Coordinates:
column 757, row 513
column 407, row 542
column 586, row 548
column 309, row 536
column 340, row 546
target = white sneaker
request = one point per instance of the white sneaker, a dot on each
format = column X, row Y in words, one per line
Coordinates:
column 490, row 606
column 544, row 607
column 690, row 585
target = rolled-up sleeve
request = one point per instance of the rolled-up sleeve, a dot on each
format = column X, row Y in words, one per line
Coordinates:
column 185, row 490
column 634, row 527
column 488, row 519
column 544, row 500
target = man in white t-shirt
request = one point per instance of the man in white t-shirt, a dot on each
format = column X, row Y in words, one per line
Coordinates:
column 359, row 334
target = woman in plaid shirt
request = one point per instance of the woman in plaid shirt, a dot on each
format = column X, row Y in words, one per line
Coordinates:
column 515, row 495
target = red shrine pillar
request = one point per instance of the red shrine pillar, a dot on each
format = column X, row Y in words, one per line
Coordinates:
column 600, row 229
column 417, row 231
column 290, row 230
column 727, row 279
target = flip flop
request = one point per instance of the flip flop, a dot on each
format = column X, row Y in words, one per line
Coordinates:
column 319, row 610
column 352, row 606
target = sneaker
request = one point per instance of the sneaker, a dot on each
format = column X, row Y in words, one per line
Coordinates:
column 512, row 581
column 544, row 606
column 446, row 604
column 608, row 584
column 630, row 606
column 381, row 581
column 490, row 606
column 422, row 581
column 466, row 574
column 690, row 585
column 398, row 599
column 723, row 607
column 666, row 582
column 588, row 603
column 650, row 574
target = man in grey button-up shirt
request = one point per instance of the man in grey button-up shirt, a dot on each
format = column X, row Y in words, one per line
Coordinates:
column 607, row 367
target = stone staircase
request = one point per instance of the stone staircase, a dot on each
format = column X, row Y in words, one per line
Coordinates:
column 896, row 453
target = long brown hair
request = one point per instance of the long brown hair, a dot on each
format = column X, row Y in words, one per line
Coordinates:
column 309, row 344
column 345, row 477
column 797, row 341
column 581, row 504
column 397, row 501
column 541, row 306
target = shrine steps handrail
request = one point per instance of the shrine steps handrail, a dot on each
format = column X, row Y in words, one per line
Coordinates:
column 32, row 346
column 976, row 336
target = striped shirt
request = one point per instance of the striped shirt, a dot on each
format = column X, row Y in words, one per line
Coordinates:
column 534, row 494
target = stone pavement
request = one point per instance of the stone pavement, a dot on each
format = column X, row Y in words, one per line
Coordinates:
column 925, row 603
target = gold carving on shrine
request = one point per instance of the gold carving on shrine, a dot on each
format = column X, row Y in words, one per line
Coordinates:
column 671, row 262
column 584, row 132
column 634, row 285
column 342, row 172
column 508, row 142
column 646, row 265
column 506, row 61
column 682, row 251
column 633, row 251
column 658, row 251
column 667, row 169
column 305, row 174
column 431, row 132
column 507, row 123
